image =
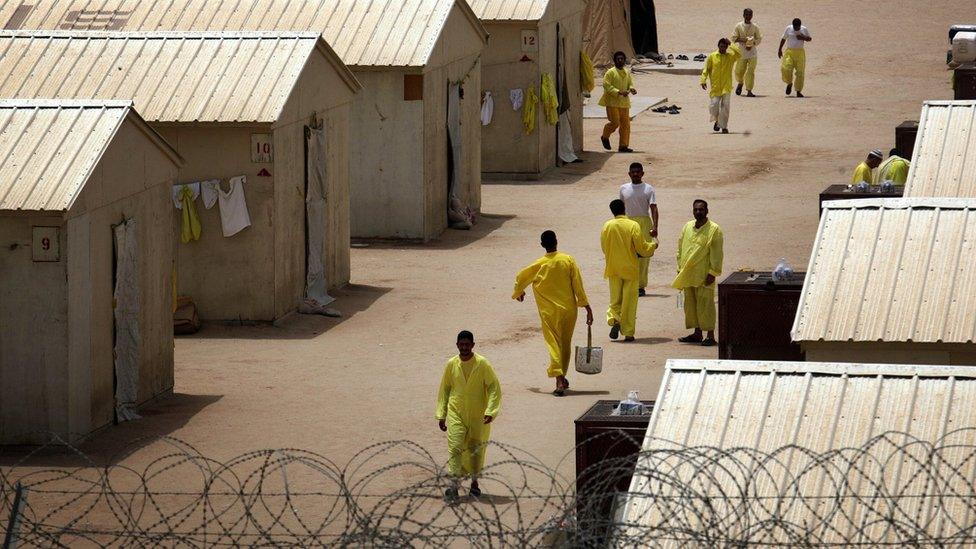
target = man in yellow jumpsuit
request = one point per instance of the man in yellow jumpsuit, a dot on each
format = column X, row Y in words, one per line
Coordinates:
column 558, row 288
column 863, row 171
column 618, row 86
column 747, row 36
column 467, row 402
column 641, row 204
column 623, row 244
column 700, row 249
column 718, row 69
column 794, row 61
column 894, row 169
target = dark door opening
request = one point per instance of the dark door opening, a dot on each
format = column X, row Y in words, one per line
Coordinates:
column 643, row 26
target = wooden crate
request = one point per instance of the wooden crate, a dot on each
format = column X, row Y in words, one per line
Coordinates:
column 605, row 438
column 840, row 192
column 755, row 316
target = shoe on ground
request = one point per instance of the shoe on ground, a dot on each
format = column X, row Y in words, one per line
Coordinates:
column 451, row 495
column 800, row 95
column 750, row 94
column 715, row 127
column 738, row 89
column 475, row 492
column 641, row 292
column 625, row 150
column 789, row 89
column 708, row 342
column 690, row 339
column 615, row 331
column 606, row 142
column 725, row 130
column 628, row 339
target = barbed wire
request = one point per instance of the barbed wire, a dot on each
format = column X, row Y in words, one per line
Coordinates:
column 894, row 489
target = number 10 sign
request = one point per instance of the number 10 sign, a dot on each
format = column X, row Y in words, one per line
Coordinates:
column 262, row 151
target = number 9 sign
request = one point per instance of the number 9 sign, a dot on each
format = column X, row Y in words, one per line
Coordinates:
column 45, row 244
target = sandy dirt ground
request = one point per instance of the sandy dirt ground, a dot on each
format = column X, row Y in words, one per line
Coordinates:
column 334, row 386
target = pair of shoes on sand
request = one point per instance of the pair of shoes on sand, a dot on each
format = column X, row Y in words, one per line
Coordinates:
column 606, row 145
column 789, row 88
column 707, row 342
column 452, row 496
column 615, row 333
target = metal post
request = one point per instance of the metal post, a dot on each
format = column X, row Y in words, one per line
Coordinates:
column 13, row 524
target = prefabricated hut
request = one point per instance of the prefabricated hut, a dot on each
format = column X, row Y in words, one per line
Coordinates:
column 528, row 40
column 404, row 163
column 891, row 280
column 86, row 259
column 944, row 160
column 795, row 453
column 231, row 104
column 629, row 26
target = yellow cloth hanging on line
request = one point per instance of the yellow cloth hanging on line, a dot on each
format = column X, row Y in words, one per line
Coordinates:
column 190, row 229
column 587, row 78
column 528, row 110
column 550, row 102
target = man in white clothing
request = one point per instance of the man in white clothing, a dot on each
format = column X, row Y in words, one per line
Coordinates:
column 641, row 204
column 748, row 36
column 794, row 64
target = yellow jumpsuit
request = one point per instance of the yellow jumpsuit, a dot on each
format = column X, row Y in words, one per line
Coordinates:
column 618, row 106
column 558, row 288
column 190, row 228
column 745, row 67
column 794, row 63
column 699, row 255
column 862, row 173
column 894, row 169
column 622, row 243
column 469, row 391
column 550, row 99
column 644, row 263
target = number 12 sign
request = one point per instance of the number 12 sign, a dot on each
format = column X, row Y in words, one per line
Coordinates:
column 262, row 151
column 530, row 40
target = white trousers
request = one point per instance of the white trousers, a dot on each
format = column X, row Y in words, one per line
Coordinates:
column 719, row 108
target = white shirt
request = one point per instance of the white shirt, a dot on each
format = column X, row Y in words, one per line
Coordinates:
column 234, row 217
column 792, row 41
column 637, row 198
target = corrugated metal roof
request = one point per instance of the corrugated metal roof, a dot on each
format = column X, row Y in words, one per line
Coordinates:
column 171, row 77
column 363, row 32
column 944, row 161
column 892, row 270
column 510, row 10
column 753, row 410
column 48, row 149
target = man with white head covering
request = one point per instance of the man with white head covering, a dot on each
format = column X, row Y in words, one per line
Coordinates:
column 863, row 171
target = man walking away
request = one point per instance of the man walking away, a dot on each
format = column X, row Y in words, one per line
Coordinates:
column 623, row 244
column 700, row 249
column 864, row 171
column 618, row 86
column 794, row 64
column 558, row 288
column 467, row 402
column 747, row 37
column 641, row 205
column 718, row 69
